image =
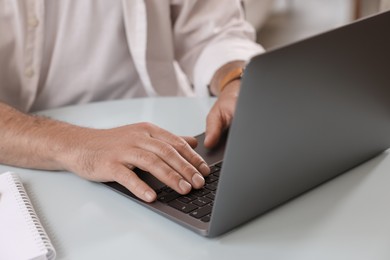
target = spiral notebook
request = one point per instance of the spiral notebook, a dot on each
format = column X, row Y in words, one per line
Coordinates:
column 21, row 233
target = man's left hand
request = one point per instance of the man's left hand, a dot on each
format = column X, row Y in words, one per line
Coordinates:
column 221, row 114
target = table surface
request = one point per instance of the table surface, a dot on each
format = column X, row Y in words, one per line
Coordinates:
column 346, row 218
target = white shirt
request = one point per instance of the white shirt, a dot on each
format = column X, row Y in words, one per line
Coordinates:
column 174, row 48
column 105, row 70
column 385, row 5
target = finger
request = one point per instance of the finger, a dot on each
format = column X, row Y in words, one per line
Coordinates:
column 191, row 141
column 133, row 183
column 172, row 157
column 150, row 162
column 183, row 148
column 214, row 128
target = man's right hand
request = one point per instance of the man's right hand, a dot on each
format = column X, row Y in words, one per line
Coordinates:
column 112, row 155
column 102, row 154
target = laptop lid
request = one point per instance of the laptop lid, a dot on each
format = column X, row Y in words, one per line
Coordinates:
column 306, row 113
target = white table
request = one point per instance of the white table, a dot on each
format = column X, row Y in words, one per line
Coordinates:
column 347, row 218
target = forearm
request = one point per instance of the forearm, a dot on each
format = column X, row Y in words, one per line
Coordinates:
column 34, row 142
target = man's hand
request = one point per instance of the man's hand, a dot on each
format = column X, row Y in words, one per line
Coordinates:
column 221, row 114
column 102, row 154
column 112, row 155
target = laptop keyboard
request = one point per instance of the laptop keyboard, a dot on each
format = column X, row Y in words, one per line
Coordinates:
column 198, row 203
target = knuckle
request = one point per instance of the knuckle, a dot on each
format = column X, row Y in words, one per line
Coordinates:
column 146, row 125
column 188, row 169
column 139, row 189
column 172, row 177
column 212, row 115
column 195, row 159
column 109, row 165
column 125, row 178
column 118, row 175
column 146, row 158
column 181, row 144
column 131, row 180
column 168, row 151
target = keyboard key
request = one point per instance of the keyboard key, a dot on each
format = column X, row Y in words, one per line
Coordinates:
column 200, row 193
column 187, row 198
column 201, row 212
column 186, row 208
column 206, row 218
column 167, row 189
column 211, row 179
column 211, row 186
column 211, row 196
column 167, row 197
column 214, row 169
column 201, row 201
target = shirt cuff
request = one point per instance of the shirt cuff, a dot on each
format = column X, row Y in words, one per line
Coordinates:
column 217, row 55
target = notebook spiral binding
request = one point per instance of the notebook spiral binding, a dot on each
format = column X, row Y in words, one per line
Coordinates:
column 35, row 226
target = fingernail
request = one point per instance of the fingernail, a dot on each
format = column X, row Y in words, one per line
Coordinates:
column 198, row 180
column 204, row 169
column 184, row 186
column 149, row 196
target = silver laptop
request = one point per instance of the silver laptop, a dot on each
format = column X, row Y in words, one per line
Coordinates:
column 306, row 113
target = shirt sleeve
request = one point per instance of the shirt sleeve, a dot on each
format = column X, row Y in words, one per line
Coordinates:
column 209, row 34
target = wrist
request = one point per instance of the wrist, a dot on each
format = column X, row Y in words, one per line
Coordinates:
column 73, row 149
column 225, row 75
column 229, row 77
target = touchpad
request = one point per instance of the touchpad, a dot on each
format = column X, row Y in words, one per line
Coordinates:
column 214, row 155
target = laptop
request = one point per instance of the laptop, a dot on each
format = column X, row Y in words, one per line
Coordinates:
column 306, row 113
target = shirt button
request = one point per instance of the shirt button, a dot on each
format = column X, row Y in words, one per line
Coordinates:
column 33, row 22
column 29, row 72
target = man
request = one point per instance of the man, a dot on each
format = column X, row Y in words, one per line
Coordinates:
column 57, row 53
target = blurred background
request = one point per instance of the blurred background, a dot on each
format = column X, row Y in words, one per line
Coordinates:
column 280, row 22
